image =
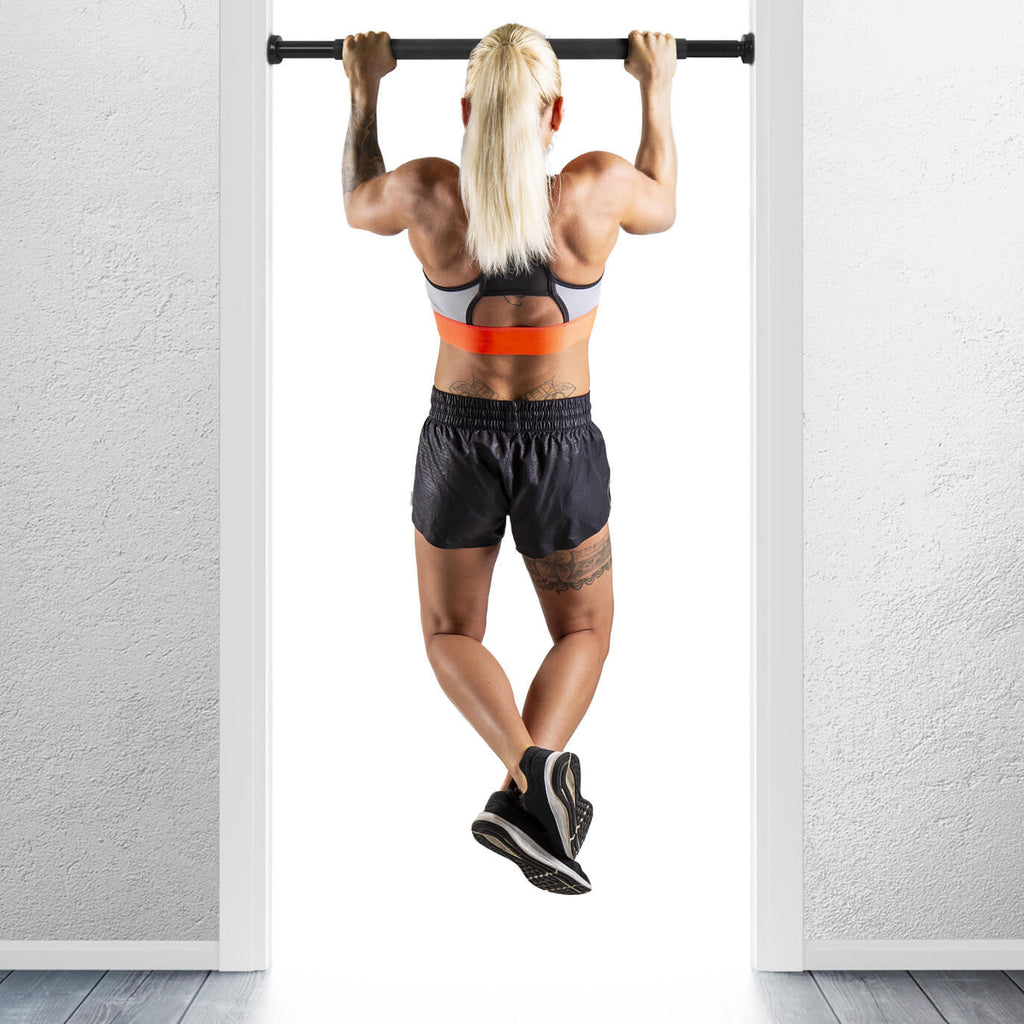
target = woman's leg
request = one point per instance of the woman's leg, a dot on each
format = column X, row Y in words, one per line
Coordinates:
column 454, row 584
column 575, row 592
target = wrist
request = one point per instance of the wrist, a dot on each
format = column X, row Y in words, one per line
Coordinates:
column 656, row 83
column 364, row 88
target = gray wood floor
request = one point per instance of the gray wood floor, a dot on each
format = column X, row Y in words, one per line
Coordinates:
column 812, row 997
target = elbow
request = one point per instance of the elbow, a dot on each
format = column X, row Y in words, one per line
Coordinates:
column 670, row 208
column 351, row 210
column 349, row 213
column 667, row 207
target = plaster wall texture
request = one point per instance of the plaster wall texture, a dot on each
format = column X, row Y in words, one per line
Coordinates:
column 109, row 197
column 913, row 470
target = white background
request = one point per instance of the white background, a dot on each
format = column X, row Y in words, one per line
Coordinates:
column 383, row 904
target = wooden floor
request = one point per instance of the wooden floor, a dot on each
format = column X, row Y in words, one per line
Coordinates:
column 894, row 997
column 818, row 997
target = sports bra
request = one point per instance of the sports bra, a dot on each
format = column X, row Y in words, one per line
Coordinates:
column 453, row 311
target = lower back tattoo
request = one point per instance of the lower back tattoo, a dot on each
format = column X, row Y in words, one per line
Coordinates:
column 481, row 389
column 549, row 389
column 475, row 387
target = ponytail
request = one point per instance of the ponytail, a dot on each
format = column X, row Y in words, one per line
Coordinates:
column 513, row 76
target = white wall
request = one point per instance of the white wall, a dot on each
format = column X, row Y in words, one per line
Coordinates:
column 108, row 472
column 913, row 573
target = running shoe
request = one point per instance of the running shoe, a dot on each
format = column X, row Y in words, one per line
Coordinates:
column 505, row 828
column 553, row 797
column 584, row 808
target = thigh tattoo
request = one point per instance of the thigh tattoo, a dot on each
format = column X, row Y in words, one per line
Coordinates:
column 575, row 568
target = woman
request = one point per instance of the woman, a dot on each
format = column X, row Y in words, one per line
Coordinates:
column 513, row 261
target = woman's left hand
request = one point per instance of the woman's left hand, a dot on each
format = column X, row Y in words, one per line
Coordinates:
column 367, row 56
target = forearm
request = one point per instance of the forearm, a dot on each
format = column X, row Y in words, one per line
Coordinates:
column 362, row 158
column 656, row 156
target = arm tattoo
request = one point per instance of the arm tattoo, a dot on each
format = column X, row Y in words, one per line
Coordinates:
column 362, row 158
column 575, row 568
column 475, row 387
column 549, row 389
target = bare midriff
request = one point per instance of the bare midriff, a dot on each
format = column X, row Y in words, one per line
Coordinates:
column 506, row 377
column 532, row 377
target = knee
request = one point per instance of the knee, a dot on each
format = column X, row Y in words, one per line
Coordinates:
column 601, row 636
column 438, row 634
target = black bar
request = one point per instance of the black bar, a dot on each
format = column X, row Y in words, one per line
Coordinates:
column 565, row 49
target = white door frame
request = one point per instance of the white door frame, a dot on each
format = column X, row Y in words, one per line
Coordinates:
column 776, row 488
column 777, row 439
column 776, row 423
column 244, row 930
column 776, row 737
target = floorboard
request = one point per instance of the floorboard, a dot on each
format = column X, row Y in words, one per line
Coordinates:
column 793, row 998
column 227, row 997
column 876, row 997
column 138, row 997
column 1017, row 977
column 237, row 997
column 973, row 997
column 44, row 997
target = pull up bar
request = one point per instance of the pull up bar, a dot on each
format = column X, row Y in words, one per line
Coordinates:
column 565, row 49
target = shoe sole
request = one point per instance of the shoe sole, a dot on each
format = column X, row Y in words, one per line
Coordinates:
column 539, row 867
column 572, row 813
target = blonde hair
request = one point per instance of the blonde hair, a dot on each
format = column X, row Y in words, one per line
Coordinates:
column 512, row 78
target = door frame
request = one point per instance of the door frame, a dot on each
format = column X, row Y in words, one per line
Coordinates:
column 244, row 926
column 776, row 488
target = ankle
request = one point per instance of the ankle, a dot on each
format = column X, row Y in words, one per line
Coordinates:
column 518, row 777
column 515, row 757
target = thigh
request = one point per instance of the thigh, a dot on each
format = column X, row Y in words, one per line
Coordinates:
column 454, row 585
column 575, row 586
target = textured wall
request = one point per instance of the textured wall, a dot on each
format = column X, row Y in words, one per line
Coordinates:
column 913, row 459
column 109, row 471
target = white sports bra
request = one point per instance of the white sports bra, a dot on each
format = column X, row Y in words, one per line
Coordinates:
column 458, row 301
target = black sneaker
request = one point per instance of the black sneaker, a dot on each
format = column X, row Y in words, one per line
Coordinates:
column 553, row 797
column 504, row 827
column 585, row 809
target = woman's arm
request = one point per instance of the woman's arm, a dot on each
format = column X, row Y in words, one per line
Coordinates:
column 639, row 197
column 362, row 159
column 375, row 199
column 652, row 61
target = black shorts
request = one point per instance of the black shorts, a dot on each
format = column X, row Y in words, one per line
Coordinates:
column 543, row 464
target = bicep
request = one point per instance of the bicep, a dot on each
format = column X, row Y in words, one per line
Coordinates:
column 641, row 205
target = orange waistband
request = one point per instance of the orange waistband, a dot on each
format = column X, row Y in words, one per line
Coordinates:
column 515, row 341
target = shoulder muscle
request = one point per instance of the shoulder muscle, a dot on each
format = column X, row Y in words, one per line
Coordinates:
column 395, row 200
column 640, row 204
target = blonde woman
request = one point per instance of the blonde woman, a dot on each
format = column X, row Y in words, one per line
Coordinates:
column 513, row 261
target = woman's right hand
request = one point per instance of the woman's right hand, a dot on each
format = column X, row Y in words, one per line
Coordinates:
column 652, row 56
